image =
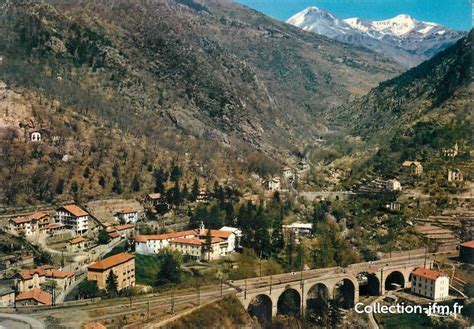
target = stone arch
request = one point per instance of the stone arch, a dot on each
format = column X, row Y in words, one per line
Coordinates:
column 393, row 280
column 369, row 284
column 260, row 307
column 289, row 302
column 317, row 300
column 345, row 293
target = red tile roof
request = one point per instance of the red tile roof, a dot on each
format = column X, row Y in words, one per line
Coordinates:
column 193, row 241
column 77, row 240
column 28, row 274
column 60, row 274
column 469, row 244
column 221, row 234
column 127, row 211
column 174, row 235
column 427, row 273
column 21, row 220
column 124, row 227
column 54, row 225
column 111, row 261
column 39, row 215
column 74, row 210
column 38, row 295
column 154, row 196
column 94, row 325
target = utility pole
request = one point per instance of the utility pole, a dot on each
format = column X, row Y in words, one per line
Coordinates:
column 271, row 281
column 426, row 251
column 245, row 291
column 148, row 310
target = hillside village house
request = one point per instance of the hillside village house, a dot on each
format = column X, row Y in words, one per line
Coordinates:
column 122, row 265
column 287, row 173
column 63, row 279
column 455, row 175
column 73, row 218
column 191, row 243
column 127, row 215
column 393, row 185
column 153, row 199
column 7, row 297
column 430, row 284
column 35, row 296
column 451, row 152
column 126, row 230
column 76, row 244
column 298, row 229
column 413, row 167
column 29, row 279
column 202, row 195
column 23, row 226
column 43, row 220
column 272, row 184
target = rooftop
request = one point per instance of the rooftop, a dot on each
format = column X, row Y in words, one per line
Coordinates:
column 36, row 294
column 74, row 210
column 124, row 227
column 154, row 196
column 77, row 240
column 111, row 261
column 427, row 273
column 468, row 244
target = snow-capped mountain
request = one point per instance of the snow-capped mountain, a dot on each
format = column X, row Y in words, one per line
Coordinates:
column 402, row 38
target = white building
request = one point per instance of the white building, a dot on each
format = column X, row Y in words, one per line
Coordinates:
column 127, row 215
column 73, row 218
column 192, row 243
column 430, row 284
column 273, row 184
column 23, row 225
column 455, row 175
column 298, row 229
column 393, row 185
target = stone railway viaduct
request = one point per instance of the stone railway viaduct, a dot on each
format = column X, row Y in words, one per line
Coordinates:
column 377, row 277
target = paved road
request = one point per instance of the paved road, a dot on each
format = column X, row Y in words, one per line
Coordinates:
column 32, row 322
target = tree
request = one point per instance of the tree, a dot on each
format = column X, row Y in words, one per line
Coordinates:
column 194, row 191
column 469, row 289
column 111, row 284
column 102, row 181
column 59, row 186
column 319, row 213
column 160, row 178
column 136, row 184
column 103, row 237
column 88, row 289
column 43, row 258
column 170, row 267
column 207, row 247
column 87, row 172
column 117, row 186
column 175, row 173
column 278, row 242
column 334, row 317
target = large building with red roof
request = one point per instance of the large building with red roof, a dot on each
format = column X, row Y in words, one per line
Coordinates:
column 204, row 244
column 429, row 283
column 122, row 265
column 73, row 218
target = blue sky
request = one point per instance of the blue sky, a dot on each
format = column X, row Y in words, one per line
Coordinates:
column 456, row 14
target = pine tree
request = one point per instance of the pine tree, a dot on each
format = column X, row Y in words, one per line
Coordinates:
column 160, row 179
column 208, row 245
column 136, row 184
column 102, row 181
column 194, row 191
column 278, row 242
column 111, row 285
column 60, row 186
column 175, row 173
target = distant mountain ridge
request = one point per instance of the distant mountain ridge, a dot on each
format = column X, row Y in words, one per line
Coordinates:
column 402, row 38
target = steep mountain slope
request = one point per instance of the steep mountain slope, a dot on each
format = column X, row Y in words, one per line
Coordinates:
column 416, row 116
column 402, row 38
column 210, row 85
column 213, row 69
column 438, row 89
